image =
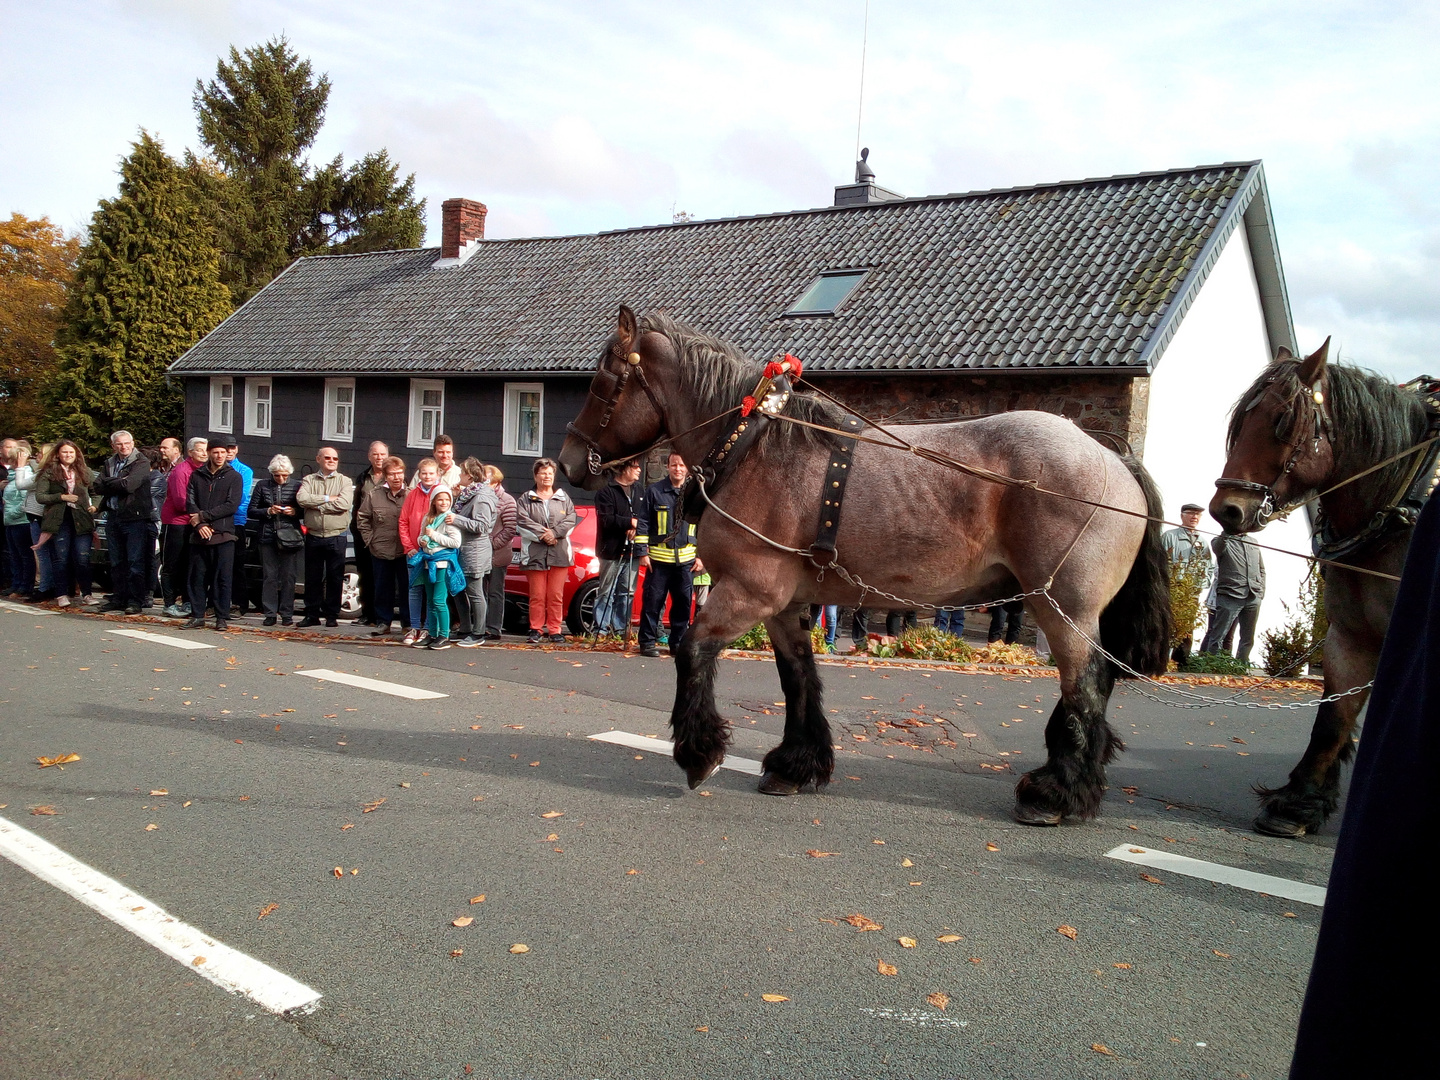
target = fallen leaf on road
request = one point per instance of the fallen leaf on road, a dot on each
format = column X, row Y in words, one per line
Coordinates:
column 518, row 948
column 59, row 759
column 706, row 794
column 1131, row 790
column 917, row 883
column 990, row 845
column 330, row 716
column 151, row 827
column 44, row 811
column 969, row 735
column 820, row 854
column 477, row 798
column 906, row 862
column 886, row 969
column 197, row 961
column 347, row 825
column 160, row 791
column 354, row 871
column 268, row 909
column 517, row 727
column 1287, row 914
column 1236, row 738
column 339, row 871
column 474, row 727
column 365, row 808
column 1101, row 1048
column 1122, row 967
column 1137, row 851
column 1152, row 879
column 1222, row 955
column 553, row 813
column 939, row 1000
column 949, row 938
column 1068, row 931
column 185, row 803
column 773, row 997
column 1135, row 827
column 244, row 798
column 632, row 870
column 455, row 954
column 550, row 839
column 404, row 783
column 158, row 669
column 975, row 960
column 907, row 942
column 702, row 1029
column 533, row 764
column 877, row 841
column 852, row 778
column 478, row 899
column 463, row 920
column 861, row 923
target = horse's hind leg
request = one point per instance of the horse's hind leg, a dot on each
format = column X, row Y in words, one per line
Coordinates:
column 1079, row 740
column 805, row 754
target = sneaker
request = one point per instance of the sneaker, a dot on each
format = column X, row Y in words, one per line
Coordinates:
column 469, row 641
column 269, row 620
column 62, row 601
column 183, row 609
column 381, row 630
column 410, row 636
column 221, row 625
column 558, row 639
column 439, row 643
column 535, row 637
column 422, row 640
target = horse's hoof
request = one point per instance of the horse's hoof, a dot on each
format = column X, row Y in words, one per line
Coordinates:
column 700, row 774
column 1026, row 814
column 770, row 784
column 1274, row 825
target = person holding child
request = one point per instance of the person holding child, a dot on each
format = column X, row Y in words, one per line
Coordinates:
column 435, row 567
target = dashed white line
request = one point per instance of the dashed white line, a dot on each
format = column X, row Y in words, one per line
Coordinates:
column 160, row 639
column 664, row 746
column 24, row 609
column 225, row 967
column 1226, row 875
column 414, row 693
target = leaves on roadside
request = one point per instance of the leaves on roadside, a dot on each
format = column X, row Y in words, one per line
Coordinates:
column 771, row 998
column 907, row 942
column 151, row 827
column 949, row 938
column 1101, row 1048
column 1131, row 790
column 861, row 923
column 1287, row 915
column 197, row 961
column 268, row 909
column 1152, row 879
column 60, row 760
column 553, row 813
column 1137, row 851
column 1122, row 967
column 550, row 839
column 886, row 969
column 939, row 1000
column 159, row 791
column 990, row 845
column 519, row 948
column 906, row 862
column 339, row 871
column 478, row 899
column 463, row 920
column 1222, row 955
column 365, row 808
column 347, row 825
column 814, row 854
column 455, row 954
column 1067, row 931
column 517, row 727
column 44, row 811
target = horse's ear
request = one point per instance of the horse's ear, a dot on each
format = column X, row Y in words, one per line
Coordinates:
column 627, row 329
column 1282, row 353
column 1312, row 370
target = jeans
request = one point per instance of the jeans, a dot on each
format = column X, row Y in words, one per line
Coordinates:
column 470, row 610
column 240, row 580
column 898, row 621
column 210, row 569
column 950, row 622
column 70, row 554
column 495, row 600
column 44, row 561
column 547, row 599
column 324, row 574
column 662, row 580
column 1006, row 621
column 615, row 599
column 1228, row 613
column 174, row 563
column 391, row 591
column 128, row 541
column 280, row 566
column 832, row 616
column 152, row 563
column 22, row 559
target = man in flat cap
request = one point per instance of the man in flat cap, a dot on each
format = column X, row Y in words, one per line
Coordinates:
column 1184, row 545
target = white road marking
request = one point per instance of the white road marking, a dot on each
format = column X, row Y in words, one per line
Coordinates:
column 24, row 609
column 394, row 689
column 160, row 639
column 225, row 967
column 1226, row 875
column 664, row 746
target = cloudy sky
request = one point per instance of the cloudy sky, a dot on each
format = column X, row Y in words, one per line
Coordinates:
column 578, row 115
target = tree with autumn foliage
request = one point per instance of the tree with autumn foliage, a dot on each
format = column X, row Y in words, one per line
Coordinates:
column 258, row 117
column 147, row 287
column 37, row 261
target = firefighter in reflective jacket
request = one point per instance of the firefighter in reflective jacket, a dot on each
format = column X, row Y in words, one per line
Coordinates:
column 666, row 544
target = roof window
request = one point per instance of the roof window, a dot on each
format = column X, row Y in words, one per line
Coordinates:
column 825, row 295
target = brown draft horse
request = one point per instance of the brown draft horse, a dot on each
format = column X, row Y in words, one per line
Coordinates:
column 1302, row 427
column 908, row 527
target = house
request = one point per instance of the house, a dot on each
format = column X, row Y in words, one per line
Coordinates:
column 1139, row 306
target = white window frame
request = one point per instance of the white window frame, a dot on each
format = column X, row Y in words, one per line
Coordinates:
column 415, row 435
column 328, row 426
column 222, row 394
column 510, row 443
column 253, row 426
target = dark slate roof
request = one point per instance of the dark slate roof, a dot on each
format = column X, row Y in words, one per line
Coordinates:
column 1094, row 274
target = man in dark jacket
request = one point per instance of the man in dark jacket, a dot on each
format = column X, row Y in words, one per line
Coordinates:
column 211, row 500
column 1239, row 588
column 619, row 506
column 666, row 545
column 124, row 481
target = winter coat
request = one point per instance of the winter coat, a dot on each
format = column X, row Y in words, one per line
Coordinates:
column 664, row 533
column 47, row 493
column 533, row 515
column 378, row 522
column 16, row 489
column 614, row 509
column 267, row 493
column 504, row 531
column 474, row 515
column 247, row 487
column 412, row 513
column 437, row 559
column 177, row 487
column 215, row 496
column 326, row 517
column 124, row 483
column 365, row 483
column 159, row 486
column 1239, row 570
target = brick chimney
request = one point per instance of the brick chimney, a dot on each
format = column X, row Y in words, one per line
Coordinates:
column 461, row 221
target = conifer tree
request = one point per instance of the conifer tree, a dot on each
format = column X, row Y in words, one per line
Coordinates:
column 147, row 287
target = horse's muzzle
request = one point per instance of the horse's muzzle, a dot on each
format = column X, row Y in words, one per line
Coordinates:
column 1236, row 512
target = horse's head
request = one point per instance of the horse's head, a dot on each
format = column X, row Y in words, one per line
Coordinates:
column 1279, row 444
column 622, row 415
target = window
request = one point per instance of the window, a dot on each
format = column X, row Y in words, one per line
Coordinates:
column 222, row 404
column 427, row 412
column 259, row 394
column 524, row 419
column 828, row 292
column 339, row 422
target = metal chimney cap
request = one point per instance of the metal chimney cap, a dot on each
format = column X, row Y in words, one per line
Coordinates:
column 864, row 174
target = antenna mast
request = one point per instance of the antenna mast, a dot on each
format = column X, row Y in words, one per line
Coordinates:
column 860, row 108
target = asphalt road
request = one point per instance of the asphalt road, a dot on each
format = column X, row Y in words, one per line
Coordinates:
column 656, row 917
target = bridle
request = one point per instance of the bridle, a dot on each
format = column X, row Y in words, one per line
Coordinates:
column 1321, row 428
column 616, row 371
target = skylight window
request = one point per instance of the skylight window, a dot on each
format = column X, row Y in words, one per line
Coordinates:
column 828, row 292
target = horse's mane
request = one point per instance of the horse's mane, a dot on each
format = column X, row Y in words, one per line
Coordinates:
column 1372, row 419
column 716, row 375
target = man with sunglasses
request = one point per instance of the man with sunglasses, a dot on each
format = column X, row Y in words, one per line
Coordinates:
column 326, row 496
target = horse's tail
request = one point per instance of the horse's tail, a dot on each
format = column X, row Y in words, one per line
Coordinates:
column 1136, row 625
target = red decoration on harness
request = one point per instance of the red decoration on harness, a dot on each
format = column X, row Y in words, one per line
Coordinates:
column 795, row 366
column 747, row 405
column 790, row 366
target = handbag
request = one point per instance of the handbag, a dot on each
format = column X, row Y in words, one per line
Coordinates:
column 288, row 536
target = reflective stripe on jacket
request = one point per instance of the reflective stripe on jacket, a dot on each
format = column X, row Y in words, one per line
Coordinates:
column 662, row 511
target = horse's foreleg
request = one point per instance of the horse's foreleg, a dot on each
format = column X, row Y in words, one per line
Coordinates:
column 1078, row 739
column 1313, row 790
column 805, row 754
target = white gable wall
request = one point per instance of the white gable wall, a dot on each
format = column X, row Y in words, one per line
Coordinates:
column 1217, row 352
